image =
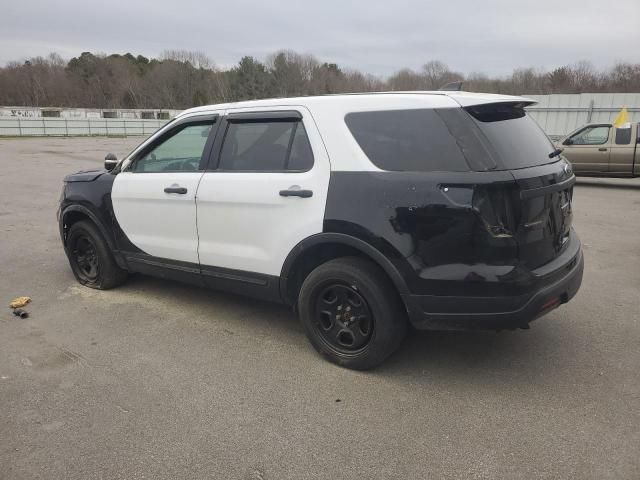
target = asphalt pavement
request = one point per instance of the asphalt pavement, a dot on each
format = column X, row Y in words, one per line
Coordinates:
column 160, row 380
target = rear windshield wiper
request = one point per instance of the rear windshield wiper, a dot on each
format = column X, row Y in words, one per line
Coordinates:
column 555, row 153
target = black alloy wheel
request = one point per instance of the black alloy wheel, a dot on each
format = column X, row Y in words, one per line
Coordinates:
column 86, row 258
column 91, row 260
column 352, row 313
column 343, row 318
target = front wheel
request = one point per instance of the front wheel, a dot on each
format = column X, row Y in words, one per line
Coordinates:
column 90, row 258
column 352, row 313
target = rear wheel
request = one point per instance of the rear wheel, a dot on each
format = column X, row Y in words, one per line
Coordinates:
column 90, row 258
column 352, row 313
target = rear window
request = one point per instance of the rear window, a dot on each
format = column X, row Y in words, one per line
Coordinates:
column 515, row 138
column 406, row 140
column 623, row 135
column 486, row 137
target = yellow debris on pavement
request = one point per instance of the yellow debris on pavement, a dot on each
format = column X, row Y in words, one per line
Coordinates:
column 19, row 302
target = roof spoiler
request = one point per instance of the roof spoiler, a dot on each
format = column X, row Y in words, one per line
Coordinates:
column 451, row 87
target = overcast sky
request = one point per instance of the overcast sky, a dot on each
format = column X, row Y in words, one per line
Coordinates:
column 379, row 37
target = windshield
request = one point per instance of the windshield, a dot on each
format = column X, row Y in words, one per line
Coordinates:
column 515, row 138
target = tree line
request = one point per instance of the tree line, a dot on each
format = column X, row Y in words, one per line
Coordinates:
column 180, row 79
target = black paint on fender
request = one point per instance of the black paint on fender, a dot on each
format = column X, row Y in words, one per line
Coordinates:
column 89, row 194
column 288, row 274
column 418, row 226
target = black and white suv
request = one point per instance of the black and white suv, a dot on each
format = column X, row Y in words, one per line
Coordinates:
column 446, row 210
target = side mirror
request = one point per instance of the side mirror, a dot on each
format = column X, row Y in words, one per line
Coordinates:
column 568, row 141
column 110, row 162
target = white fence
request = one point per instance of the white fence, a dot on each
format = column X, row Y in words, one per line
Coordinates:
column 63, row 127
column 80, row 113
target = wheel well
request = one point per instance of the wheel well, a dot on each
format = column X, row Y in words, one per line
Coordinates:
column 314, row 257
column 71, row 218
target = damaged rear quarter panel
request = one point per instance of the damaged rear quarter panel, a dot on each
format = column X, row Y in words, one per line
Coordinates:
column 424, row 222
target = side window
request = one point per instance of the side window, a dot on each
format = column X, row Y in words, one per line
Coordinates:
column 623, row 135
column 301, row 157
column 407, row 140
column 180, row 152
column 592, row 136
column 269, row 145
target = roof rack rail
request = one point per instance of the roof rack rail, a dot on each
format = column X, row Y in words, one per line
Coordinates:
column 451, row 87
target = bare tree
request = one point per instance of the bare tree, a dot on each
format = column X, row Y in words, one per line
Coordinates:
column 195, row 59
column 182, row 78
column 406, row 79
column 437, row 74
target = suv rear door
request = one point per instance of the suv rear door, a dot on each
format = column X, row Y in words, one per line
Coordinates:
column 263, row 192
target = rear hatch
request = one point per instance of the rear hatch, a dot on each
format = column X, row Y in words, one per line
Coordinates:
column 545, row 196
column 534, row 209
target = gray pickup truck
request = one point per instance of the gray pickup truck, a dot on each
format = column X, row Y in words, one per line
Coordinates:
column 602, row 150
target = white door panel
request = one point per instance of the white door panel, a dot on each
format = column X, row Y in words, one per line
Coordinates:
column 154, row 196
column 244, row 223
column 158, row 223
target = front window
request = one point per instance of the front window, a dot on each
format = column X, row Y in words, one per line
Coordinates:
column 596, row 135
column 180, row 152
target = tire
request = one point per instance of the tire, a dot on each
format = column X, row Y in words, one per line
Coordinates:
column 352, row 313
column 90, row 258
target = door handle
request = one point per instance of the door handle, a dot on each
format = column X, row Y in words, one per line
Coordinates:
column 179, row 190
column 602, row 149
column 296, row 193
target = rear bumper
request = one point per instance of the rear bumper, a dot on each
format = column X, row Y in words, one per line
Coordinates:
column 552, row 288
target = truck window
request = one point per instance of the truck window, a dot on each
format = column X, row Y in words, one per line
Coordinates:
column 623, row 135
column 596, row 135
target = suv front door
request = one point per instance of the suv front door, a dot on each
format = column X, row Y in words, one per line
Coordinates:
column 264, row 192
column 154, row 196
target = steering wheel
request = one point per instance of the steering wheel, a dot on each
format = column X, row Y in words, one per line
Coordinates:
column 191, row 164
column 186, row 165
